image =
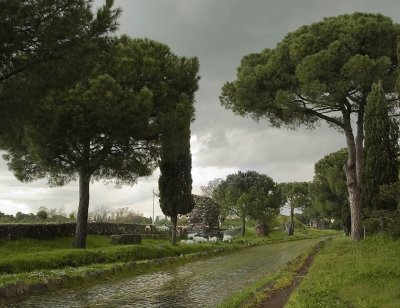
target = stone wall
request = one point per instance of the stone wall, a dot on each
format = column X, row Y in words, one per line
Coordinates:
column 53, row 230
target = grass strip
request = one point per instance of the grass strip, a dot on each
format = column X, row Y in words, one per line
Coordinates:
column 352, row 274
column 58, row 259
column 255, row 294
column 16, row 285
column 25, row 258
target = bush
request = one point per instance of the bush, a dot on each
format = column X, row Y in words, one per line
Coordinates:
column 383, row 221
column 262, row 229
column 126, row 239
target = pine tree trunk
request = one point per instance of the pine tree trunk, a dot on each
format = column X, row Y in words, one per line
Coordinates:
column 83, row 209
column 174, row 220
column 291, row 227
column 353, row 185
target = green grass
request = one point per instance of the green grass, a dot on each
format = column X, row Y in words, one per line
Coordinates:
column 254, row 295
column 31, row 261
column 352, row 274
column 57, row 257
column 29, row 255
column 33, row 245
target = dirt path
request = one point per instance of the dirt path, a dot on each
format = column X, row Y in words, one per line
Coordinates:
column 279, row 298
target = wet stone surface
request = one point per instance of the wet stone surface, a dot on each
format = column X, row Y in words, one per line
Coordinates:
column 202, row 283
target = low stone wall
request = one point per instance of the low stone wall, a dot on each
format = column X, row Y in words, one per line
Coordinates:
column 107, row 228
column 53, row 230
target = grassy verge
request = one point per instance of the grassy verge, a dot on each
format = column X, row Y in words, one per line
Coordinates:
column 352, row 274
column 29, row 255
column 255, row 294
column 61, row 258
column 89, row 273
column 29, row 266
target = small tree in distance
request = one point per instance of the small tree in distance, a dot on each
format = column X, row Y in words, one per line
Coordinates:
column 328, row 189
column 297, row 196
column 42, row 213
column 250, row 194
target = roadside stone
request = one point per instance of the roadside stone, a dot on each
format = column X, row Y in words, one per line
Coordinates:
column 13, row 290
column 107, row 272
column 21, row 288
column 38, row 288
column 87, row 275
column 98, row 273
column 53, row 282
column 5, row 291
column 203, row 219
column 116, row 268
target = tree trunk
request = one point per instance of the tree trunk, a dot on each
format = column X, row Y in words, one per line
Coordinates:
column 353, row 184
column 243, row 224
column 83, row 209
column 174, row 221
column 291, row 227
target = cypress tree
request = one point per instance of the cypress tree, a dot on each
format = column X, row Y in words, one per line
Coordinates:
column 175, row 182
column 380, row 159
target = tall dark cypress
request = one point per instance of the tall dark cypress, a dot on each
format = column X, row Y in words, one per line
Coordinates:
column 175, row 182
column 380, row 159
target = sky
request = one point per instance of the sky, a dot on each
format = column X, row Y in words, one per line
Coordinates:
column 219, row 33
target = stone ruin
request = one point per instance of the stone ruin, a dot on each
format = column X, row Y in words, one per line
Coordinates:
column 203, row 219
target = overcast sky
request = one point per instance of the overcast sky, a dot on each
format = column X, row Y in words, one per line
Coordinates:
column 219, row 33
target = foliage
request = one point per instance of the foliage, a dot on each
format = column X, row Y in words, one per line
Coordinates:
column 162, row 221
column 383, row 221
column 118, row 215
column 33, row 32
column 297, row 196
column 381, row 150
column 287, row 86
column 249, row 194
column 348, row 274
column 175, row 182
column 102, row 124
column 211, row 186
column 328, row 189
column 390, row 192
column 43, row 214
column 96, row 126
